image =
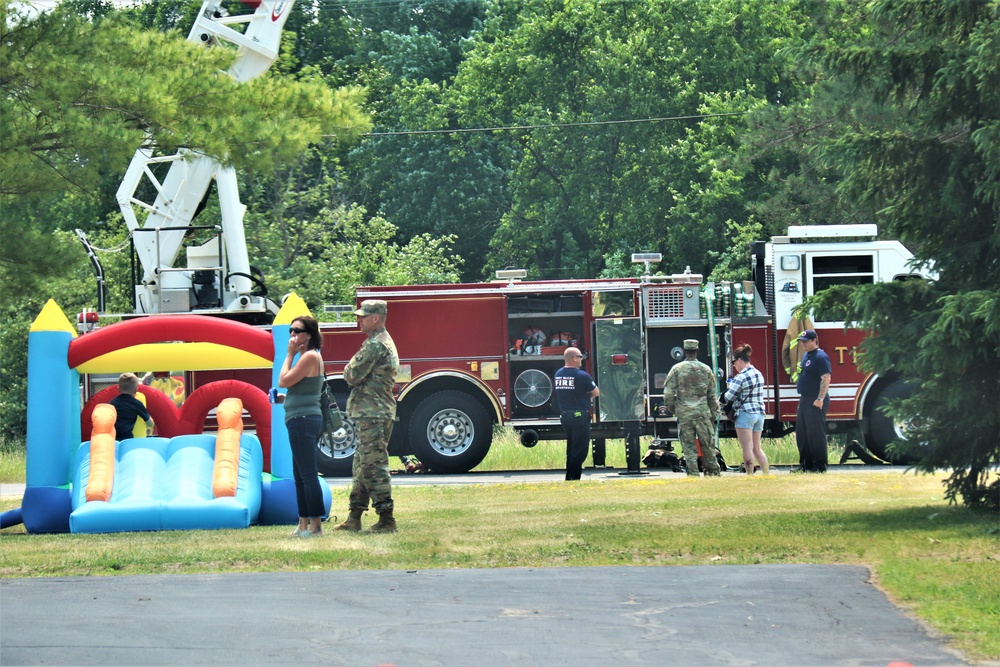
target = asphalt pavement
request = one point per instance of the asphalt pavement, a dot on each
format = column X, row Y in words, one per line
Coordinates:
column 776, row 615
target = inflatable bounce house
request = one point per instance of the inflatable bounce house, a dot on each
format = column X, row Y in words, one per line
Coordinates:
column 80, row 479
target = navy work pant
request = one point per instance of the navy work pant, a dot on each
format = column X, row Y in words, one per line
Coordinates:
column 810, row 434
column 577, row 427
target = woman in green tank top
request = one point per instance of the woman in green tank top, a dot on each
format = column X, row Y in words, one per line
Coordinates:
column 304, row 379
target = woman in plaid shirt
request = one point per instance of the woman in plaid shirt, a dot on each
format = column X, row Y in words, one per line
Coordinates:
column 746, row 393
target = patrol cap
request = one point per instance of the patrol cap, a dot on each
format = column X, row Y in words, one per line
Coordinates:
column 808, row 334
column 371, row 307
column 690, row 344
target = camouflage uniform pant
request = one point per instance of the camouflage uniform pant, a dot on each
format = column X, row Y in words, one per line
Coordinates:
column 703, row 427
column 370, row 472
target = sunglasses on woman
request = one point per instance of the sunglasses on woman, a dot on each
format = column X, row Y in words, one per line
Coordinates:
column 295, row 331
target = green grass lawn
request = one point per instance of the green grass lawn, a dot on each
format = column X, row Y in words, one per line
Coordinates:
column 936, row 561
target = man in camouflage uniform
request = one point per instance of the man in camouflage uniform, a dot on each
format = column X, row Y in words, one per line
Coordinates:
column 691, row 394
column 371, row 373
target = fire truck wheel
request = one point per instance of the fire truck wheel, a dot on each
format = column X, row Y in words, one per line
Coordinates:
column 450, row 432
column 883, row 429
column 335, row 454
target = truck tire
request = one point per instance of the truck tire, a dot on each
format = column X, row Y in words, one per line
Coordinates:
column 450, row 432
column 883, row 430
column 335, row 456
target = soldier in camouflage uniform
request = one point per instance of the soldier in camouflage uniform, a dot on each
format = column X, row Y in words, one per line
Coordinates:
column 372, row 374
column 691, row 394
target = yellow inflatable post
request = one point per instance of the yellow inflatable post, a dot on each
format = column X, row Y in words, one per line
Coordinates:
column 139, row 429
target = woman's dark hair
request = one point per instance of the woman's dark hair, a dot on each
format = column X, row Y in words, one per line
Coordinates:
column 743, row 353
column 312, row 328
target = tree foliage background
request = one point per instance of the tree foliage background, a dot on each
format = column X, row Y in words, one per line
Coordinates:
column 407, row 141
column 930, row 166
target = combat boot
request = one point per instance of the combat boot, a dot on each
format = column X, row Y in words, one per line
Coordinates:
column 386, row 524
column 352, row 523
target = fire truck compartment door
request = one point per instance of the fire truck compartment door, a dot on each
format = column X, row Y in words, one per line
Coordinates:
column 665, row 349
column 618, row 364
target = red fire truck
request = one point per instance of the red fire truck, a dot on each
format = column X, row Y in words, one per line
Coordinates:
column 477, row 355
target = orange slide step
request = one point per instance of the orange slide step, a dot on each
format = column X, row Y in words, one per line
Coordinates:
column 226, row 472
column 101, row 480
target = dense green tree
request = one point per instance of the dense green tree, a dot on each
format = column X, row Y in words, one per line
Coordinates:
column 370, row 254
column 601, row 184
column 80, row 96
column 930, row 166
column 323, row 37
column 439, row 184
column 308, row 237
column 73, row 288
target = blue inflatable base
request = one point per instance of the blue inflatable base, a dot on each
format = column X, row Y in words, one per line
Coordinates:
column 45, row 509
column 162, row 484
column 11, row 518
column 278, row 504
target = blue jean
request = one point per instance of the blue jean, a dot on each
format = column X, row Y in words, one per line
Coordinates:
column 303, row 434
column 750, row 420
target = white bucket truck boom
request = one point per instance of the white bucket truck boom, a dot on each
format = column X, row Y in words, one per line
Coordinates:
column 216, row 277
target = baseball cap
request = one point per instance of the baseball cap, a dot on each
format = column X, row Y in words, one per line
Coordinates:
column 371, row 307
column 808, row 334
column 690, row 344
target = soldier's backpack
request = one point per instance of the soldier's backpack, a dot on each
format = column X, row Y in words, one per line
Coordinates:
column 657, row 457
column 701, row 463
column 718, row 457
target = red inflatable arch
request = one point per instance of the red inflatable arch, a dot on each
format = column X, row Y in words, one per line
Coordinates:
column 161, row 409
column 171, row 422
column 203, row 399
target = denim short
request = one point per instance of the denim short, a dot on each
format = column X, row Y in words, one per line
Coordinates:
column 754, row 420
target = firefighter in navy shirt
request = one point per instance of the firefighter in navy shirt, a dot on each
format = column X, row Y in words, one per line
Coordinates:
column 574, row 389
column 815, row 373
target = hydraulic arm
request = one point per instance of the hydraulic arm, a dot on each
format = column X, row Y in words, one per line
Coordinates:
column 216, row 275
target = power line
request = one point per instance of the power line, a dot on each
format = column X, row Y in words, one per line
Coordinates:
column 551, row 126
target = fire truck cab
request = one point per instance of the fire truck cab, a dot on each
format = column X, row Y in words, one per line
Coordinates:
column 806, row 261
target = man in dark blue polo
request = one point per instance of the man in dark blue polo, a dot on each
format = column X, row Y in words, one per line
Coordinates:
column 574, row 389
column 814, row 402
